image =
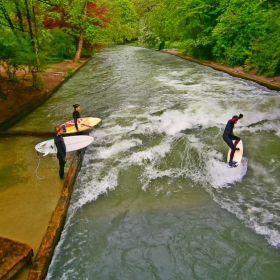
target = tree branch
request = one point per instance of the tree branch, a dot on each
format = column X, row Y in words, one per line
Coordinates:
column 6, row 16
column 14, row 28
column 47, row 2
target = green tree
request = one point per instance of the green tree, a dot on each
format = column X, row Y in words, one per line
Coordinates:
column 58, row 46
column 81, row 19
column 189, row 22
column 265, row 48
column 122, row 26
column 237, row 26
column 145, row 25
column 144, row 7
column 152, row 27
column 19, row 25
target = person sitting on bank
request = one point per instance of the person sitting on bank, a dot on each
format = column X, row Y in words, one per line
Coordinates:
column 228, row 136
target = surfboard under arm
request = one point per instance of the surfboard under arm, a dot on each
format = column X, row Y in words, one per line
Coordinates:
column 72, row 143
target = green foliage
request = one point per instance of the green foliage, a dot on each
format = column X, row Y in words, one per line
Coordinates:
column 59, row 46
column 189, row 21
column 68, row 74
column 266, row 48
column 122, row 25
column 147, row 37
column 144, row 7
column 248, row 68
column 13, row 80
column 3, row 95
column 87, row 52
column 236, row 26
column 39, row 84
column 14, row 53
column 235, row 32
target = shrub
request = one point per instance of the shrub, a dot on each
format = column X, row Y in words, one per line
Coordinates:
column 39, row 84
column 13, row 79
column 68, row 74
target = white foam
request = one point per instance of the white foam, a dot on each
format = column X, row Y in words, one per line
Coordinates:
column 220, row 175
column 116, row 148
column 149, row 155
column 96, row 186
column 272, row 236
column 186, row 103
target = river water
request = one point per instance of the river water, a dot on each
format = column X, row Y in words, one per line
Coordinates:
column 154, row 198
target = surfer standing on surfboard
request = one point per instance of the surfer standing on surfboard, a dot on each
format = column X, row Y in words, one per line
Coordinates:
column 61, row 150
column 228, row 136
column 76, row 115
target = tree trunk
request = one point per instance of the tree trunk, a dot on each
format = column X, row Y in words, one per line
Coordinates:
column 81, row 39
column 29, row 23
column 20, row 21
column 79, row 47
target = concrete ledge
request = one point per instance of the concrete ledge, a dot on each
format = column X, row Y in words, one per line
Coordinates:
column 52, row 235
column 10, row 133
column 13, row 256
column 26, row 133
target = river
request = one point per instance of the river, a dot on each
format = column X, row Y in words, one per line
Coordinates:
column 154, row 198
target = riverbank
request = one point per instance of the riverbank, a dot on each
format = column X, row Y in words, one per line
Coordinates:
column 20, row 99
column 269, row 82
column 33, row 207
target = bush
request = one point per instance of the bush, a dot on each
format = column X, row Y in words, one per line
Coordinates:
column 60, row 47
column 68, row 74
column 39, row 84
column 13, row 80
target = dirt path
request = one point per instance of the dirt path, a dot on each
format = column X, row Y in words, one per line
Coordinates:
column 19, row 99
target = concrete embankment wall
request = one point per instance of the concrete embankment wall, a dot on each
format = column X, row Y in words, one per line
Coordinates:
column 51, row 238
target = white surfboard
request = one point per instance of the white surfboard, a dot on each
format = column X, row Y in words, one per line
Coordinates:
column 238, row 154
column 72, row 143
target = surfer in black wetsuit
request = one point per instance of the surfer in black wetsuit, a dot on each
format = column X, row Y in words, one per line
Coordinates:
column 61, row 150
column 228, row 136
column 76, row 115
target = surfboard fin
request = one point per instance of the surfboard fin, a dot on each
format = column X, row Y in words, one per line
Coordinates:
column 43, row 143
column 45, row 154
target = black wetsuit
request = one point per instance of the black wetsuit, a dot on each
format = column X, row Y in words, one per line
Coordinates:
column 228, row 135
column 61, row 153
column 76, row 116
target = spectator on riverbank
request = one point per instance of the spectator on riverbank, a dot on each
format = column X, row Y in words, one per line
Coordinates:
column 61, row 150
column 76, row 115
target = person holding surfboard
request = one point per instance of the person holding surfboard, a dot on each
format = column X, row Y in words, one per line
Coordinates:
column 61, row 150
column 76, row 115
column 228, row 136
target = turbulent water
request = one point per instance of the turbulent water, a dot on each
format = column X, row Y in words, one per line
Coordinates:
column 154, row 198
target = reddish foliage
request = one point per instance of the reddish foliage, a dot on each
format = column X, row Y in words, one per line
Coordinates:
column 59, row 23
column 94, row 11
column 99, row 12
